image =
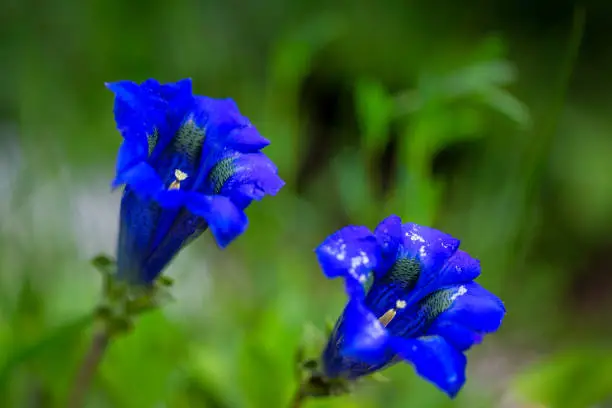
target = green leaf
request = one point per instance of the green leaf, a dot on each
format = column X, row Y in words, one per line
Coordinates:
column 294, row 51
column 354, row 185
column 213, row 373
column 103, row 262
column 374, row 111
column 55, row 342
column 508, row 105
column 147, row 359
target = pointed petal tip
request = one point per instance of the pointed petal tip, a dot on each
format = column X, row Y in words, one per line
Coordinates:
column 111, row 86
column 435, row 360
column 351, row 252
column 393, row 218
column 115, row 86
column 116, row 183
column 225, row 221
column 453, row 392
column 277, row 187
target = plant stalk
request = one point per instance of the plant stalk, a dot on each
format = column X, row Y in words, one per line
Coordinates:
column 298, row 399
column 88, row 368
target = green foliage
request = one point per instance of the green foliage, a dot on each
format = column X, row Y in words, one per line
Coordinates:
column 375, row 108
column 588, row 370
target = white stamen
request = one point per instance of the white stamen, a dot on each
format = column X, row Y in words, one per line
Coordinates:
column 179, row 176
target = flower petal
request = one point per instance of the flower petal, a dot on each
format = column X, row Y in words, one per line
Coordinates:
column 137, row 111
column 140, row 110
column 460, row 268
column 245, row 177
column 460, row 337
column 225, row 220
column 435, row 360
column 175, row 229
column 138, row 226
column 141, row 178
column 221, row 118
column 172, row 199
column 351, row 252
column 170, row 91
column 246, row 139
column 433, row 248
column 131, row 152
column 389, row 235
column 476, row 310
column 364, row 337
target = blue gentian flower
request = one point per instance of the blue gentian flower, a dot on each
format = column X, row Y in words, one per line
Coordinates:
column 412, row 297
column 188, row 163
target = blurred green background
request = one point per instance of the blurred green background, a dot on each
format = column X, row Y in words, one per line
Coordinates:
column 488, row 119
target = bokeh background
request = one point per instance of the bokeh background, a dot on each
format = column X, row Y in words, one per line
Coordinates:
column 488, row 119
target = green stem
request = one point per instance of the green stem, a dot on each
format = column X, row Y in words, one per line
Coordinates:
column 298, row 399
column 533, row 163
column 88, row 368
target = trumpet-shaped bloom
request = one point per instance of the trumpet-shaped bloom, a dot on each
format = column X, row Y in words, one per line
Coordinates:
column 412, row 297
column 188, row 163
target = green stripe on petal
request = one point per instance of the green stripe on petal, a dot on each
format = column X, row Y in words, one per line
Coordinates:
column 189, row 140
column 221, row 172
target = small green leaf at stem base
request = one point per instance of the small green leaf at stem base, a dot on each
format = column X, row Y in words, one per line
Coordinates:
column 122, row 302
column 314, row 383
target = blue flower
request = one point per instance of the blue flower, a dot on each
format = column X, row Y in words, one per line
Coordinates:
column 188, row 163
column 411, row 297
